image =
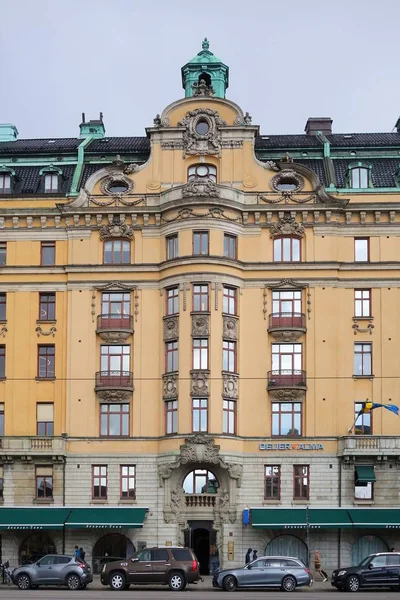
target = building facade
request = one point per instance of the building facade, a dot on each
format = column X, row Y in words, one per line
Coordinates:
column 190, row 324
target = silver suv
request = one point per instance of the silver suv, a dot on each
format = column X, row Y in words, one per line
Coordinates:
column 53, row 569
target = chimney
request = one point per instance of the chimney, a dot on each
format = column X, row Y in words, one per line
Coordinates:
column 94, row 128
column 315, row 124
column 8, row 132
column 397, row 125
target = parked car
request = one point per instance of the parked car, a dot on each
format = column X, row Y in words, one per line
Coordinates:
column 171, row 566
column 376, row 570
column 282, row 572
column 98, row 563
column 53, row 569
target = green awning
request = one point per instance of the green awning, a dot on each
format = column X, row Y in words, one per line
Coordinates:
column 104, row 518
column 388, row 518
column 33, row 518
column 278, row 518
column 365, row 474
column 326, row 518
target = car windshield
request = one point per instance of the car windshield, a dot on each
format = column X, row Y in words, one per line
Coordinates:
column 364, row 561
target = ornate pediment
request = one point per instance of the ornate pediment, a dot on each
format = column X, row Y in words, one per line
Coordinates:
column 202, row 135
column 290, row 284
column 115, row 286
column 116, row 229
column 287, row 225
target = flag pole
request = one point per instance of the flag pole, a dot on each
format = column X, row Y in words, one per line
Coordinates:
column 359, row 413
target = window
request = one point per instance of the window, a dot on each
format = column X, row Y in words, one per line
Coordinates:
column 230, row 245
column 171, row 356
column 47, row 306
column 362, row 303
column 3, row 304
column 47, row 254
column 2, row 362
column 286, row 302
column 364, row 491
column 5, row 183
column 229, row 417
column 117, row 252
column 301, row 482
column 200, row 353
column 1, row 483
column 229, row 356
column 286, row 418
column 3, row 253
column 115, row 359
column 200, row 297
column 199, row 415
column 115, row 310
column 45, row 419
column 286, row 358
column 363, row 423
column 128, row 481
column 44, row 482
column 99, row 482
column 114, row 420
column 229, row 303
column 200, row 242
column 172, row 246
column 272, row 489
column 359, row 177
column 362, row 360
column 200, row 481
column 172, row 295
column 46, row 362
column 286, row 249
column 1, row 419
column 51, row 183
column 361, row 249
column 202, row 172
column 171, row 416
column 117, row 187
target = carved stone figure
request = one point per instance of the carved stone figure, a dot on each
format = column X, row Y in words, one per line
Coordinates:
column 230, row 328
column 157, row 120
column 176, row 500
column 171, row 328
column 170, row 386
column 287, row 225
column 200, row 188
column 116, row 229
column 202, row 89
column 235, row 471
column 223, row 505
column 165, row 471
column 247, row 119
column 199, row 383
column 200, row 325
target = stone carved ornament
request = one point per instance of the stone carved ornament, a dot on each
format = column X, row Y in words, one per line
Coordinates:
column 230, row 328
column 223, row 508
column 170, row 386
column 286, row 336
column 287, row 225
column 116, row 229
column 114, row 395
column 200, row 188
column 287, row 394
column 230, row 386
column 171, row 328
column 200, row 384
column 200, row 325
column 173, row 511
column 196, row 143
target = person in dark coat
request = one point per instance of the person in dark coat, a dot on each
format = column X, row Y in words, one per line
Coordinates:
column 248, row 556
column 255, row 554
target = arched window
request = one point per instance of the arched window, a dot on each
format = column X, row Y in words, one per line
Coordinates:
column 202, row 172
column 51, row 179
column 7, row 177
column 287, row 249
column 200, row 481
column 359, row 176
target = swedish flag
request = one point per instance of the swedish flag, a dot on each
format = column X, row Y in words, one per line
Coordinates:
column 367, row 406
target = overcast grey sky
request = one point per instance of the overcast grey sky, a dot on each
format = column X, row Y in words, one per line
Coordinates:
column 288, row 60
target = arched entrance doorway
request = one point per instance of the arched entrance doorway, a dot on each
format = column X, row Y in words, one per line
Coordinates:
column 201, row 547
column 111, row 546
column 287, row 545
column 367, row 544
column 35, row 546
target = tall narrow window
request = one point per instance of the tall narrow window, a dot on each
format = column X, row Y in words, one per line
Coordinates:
column 200, row 242
column 301, row 482
column 200, row 298
column 272, row 489
column 229, row 301
column 2, row 419
column 5, row 183
column 200, row 353
column 286, row 418
column 46, row 361
column 45, row 418
column 230, row 246
column 286, row 362
column 229, row 417
column 128, row 481
column 99, row 482
column 363, row 421
column 117, row 252
column 3, row 254
column 114, row 420
column 362, row 360
column 48, row 254
column 47, row 306
column 359, row 177
column 2, row 362
column 3, row 305
column 229, row 356
column 287, row 249
column 171, row 416
column 362, row 303
column 172, row 246
column 44, row 482
column 361, row 249
column 199, row 415
column 171, row 356
column 51, row 183
column 172, row 296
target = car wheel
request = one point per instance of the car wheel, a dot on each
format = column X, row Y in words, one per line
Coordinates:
column 288, row 584
column 73, row 582
column 229, row 583
column 117, row 581
column 176, row 582
column 353, row 583
column 24, row 582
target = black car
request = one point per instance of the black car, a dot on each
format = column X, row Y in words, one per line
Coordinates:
column 376, row 570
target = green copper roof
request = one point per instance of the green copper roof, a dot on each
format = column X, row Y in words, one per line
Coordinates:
column 207, row 68
column 204, row 56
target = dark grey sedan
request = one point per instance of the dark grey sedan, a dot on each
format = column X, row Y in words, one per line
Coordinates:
column 283, row 572
column 53, row 569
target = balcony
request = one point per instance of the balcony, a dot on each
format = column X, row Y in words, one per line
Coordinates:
column 114, row 386
column 27, row 447
column 370, row 445
column 114, row 328
column 200, row 500
column 287, row 327
column 285, row 378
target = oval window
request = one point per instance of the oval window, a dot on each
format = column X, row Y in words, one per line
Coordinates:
column 202, row 127
column 202, row 171
column 117, row 187
column 287, row 185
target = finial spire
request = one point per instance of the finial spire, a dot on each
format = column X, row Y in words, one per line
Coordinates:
column 205, row 44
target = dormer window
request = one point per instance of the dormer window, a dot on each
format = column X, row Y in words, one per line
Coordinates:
column 359, row 176
column 5, row 183
column 202, row 172
column 51, row 183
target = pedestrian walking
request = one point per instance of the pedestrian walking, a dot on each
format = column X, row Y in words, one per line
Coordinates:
column 248, row 556
column 77, row 553
column 318, row 566
column 82, row 553
column 255, row 554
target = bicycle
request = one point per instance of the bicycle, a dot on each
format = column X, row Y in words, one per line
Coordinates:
column 6, row 573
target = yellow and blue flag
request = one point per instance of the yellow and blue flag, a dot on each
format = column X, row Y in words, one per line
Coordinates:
column 368, row 406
